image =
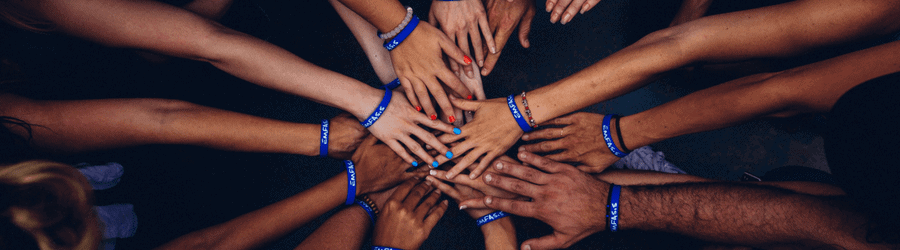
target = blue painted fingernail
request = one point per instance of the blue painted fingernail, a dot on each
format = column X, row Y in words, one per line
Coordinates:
column 415, row 164
column 457, row 131
column 449, row 155
column 434, row 164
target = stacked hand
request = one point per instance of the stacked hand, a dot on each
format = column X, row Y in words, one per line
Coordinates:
column 490, row 134
column 461, row 21
column 567, row 9
column 377, row 168
column 399, row 122
column 580, row 139
column 409, row 215
column 345, row 136
column 503, row 17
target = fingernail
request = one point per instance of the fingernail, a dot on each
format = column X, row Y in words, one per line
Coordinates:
column 470, row 74
column 461, row 207
column 567, row 18
column 525, row 137
column 493, row 51
column 553, row 17
column 469, row 97
column 584, row 8
column 457, row 131
column 526, row 247
column 522, row 155
column 467, row 59
column 481, row 63
column 449, row 155
column 488, row 177
column 451, row 118
column 418, row 108
column 434, row 164
column 437, row 192
column 432, row 172
column 499, row 166
column 433, row 117
column 415, row 164
column 428, row 147
column 445, row 202
column 427, row 182
column 488, row 200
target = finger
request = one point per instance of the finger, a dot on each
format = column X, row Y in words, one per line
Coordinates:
column 431, row 18
column 545, row 134
column 429, row 139
column 550, row 5
column 435, row 215
column 445, row 188
column 588, row 5
column 425, row 100
column 416, row 149
column 416, row 194
column 473, row 203
column 410, row 94
column 511, row 184
column 558, row 10
column 571, row 11
column 453, row 52
column 525, row 28
column 483, row 164
column 590, row 169
column 522, row 172
column 542, row 163
column 400, row 150
column 403, row 190
column 428, row 202
column 435, row 124
column 454, row 67
column 452, row 81
column 464, row 163
column 500, row 37
column 520, row 208
column 440, row 96
column 553, row 241
column 462, row 39
column 563, row 156
column 459, row 179
column 476, row 47
column 466, row 104
column 488, row 36
column 543, row 147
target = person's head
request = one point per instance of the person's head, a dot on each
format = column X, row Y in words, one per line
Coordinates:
column 46, row 205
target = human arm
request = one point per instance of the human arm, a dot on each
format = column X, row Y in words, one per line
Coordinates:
column 346, row 229
column 418, row 61
column 780, row 30
column 88, row 125
column 503, row 18
column 573, row 203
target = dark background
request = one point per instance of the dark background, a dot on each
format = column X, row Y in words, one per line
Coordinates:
column 180, row 189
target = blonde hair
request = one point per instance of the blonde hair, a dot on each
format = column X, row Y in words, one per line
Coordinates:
column 49, row 201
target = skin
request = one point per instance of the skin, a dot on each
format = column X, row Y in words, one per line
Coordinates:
column 498, row 234
column 461, row 21
column 418, row 61
column 813, row 88
column 409, row 215
column 774, row 31
column 690, row 10
column 259, row 227
column 567, row 9
column 762, row 216
column 172, row 31
column 503, row 18
column 90, row 125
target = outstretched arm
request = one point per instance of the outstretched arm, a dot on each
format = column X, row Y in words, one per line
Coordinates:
column 86, row 125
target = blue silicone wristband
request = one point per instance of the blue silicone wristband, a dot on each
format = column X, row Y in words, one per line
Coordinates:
column 393, row 84
column 367, row 208
column 379, row 110
column 607, row 136
column 390, row 45
column 351, row 182
column 514, row 109
column 323, row 142
column 490, row 217
column 384, row 248
column 613, row 206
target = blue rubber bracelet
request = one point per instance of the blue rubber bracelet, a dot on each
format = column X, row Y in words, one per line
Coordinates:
column 607, row 136
column 613, row 206
column 351, row 182
column 368, row 209
column 393, row 84
column 384, row 248
column 323, row 143
column 490, row 217
column 511, row 100
column 379, row 110
column 390, row 45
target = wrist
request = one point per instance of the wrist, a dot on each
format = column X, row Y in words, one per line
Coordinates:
column 629, row 208
column 366, row 102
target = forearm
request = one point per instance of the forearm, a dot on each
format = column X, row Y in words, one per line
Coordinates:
column 810, row 88
column 371, row 44
column 259, row 227
column 346, row 229
column 87, row 125
column 742, row 214
column 499, row 234
column 385, row 15
column 775, row 31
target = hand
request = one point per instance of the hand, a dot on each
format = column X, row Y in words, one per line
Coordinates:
column 570, row 201
column 377, row 168
column 581, row 140
column 403, row 222
column 503, row 17
column 419, row 64
column 461, row 193
column 491, row 133
column 571, row 7
column 461, row 20
column 477, row 183
column 345, row 135
column 399, row 121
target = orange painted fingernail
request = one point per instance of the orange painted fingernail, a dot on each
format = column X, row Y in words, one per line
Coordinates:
column 467, row 59
column 433, row 117
column 452, row 119
column 418, row 108
column 469, row 97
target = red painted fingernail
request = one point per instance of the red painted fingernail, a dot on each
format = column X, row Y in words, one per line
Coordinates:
column 433, row 117
column 469, row 97
column 467, row 59
column 452, row 119
column 418, row 108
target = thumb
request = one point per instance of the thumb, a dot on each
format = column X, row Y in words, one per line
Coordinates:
column 465, row 104
column 525, row 28
column 553, row 241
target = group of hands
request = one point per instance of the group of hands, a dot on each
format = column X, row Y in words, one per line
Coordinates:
column 567, row 198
